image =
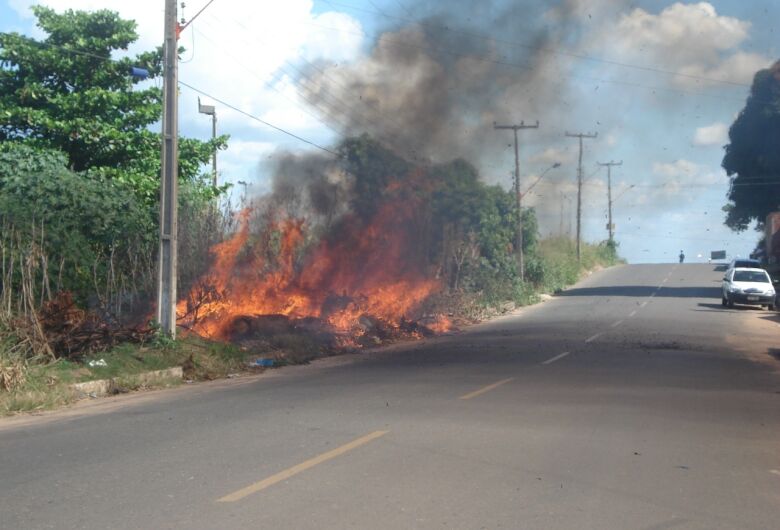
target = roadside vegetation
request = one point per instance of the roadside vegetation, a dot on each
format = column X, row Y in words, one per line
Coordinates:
column 79, row 181
column 38, row 386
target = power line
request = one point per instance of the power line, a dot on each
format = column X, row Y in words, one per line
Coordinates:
column 365, row 121
column 540, row 48
column 252, row 116
column 109, row 59
column 402, row 43
column 179, row 28
column 284, row 69
column 270, row 85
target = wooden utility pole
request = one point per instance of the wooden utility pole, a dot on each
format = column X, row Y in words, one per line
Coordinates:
column 518, row 194
column 579, row 189
column 560, row 226
column 167, row 259
column 609, row 165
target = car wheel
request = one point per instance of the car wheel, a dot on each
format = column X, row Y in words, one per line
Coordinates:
column 724, row 302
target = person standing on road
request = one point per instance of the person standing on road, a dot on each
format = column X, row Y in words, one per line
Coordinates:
column 682, row 256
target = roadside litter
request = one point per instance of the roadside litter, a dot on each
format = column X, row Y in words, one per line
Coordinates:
column 261, row 362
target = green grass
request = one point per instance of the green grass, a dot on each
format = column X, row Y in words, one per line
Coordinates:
column 558, row 262
column 47, row 386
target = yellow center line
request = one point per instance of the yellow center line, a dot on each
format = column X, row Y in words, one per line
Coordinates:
column 303, row 466
column 486, row 389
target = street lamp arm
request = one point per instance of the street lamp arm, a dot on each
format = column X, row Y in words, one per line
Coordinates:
column 632, row 186
column 555, row 165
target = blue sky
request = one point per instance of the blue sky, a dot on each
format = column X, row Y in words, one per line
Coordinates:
column 668, row 130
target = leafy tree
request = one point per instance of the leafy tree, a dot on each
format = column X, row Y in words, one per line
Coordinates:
column 77, row 218
column 373, row 167
column 752, row 158
column 68, row 92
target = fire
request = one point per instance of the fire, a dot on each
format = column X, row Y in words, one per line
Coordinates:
column 363, row 268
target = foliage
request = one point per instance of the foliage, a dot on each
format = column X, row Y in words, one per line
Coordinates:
column 374, row 166
column 38, row 387
column 556, row 266
column 77, row 219
column 752, row 158
column 469, row 231
column 68, row 92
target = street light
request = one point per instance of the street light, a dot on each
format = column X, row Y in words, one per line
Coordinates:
column 554, row 166
column 211, row 111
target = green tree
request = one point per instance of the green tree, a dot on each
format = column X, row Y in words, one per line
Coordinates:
column 752, row 158
column 373, row 167
column 79, row 220
column 68, row 92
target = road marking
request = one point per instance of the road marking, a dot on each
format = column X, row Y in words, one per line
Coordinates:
column 594, row 337
column 561, row 356
column 616, row 324
column 486, row 389
column 774, row 472
column 630, row 315
column 643, row 304
column 665, row 280
column 303, row 466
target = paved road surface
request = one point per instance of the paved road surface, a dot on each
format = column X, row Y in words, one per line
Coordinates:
column 622, row 404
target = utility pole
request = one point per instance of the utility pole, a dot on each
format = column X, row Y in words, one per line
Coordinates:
column 518, row 193
column 609, row 165
column 211, row 111
column 560, row 226
column 167, row 259
column 579, row 189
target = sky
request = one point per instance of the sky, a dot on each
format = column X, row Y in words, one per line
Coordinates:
column 659, row 81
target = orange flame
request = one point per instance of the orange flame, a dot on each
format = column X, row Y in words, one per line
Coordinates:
column 367, row 270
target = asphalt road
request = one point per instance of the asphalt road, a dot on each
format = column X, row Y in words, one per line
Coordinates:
column 633, row 400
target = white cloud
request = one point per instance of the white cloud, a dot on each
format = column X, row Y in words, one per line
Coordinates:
column 551, row 155
column 683, row 179
column 716, row 134
column 248, row 54
column 678, row 169
column 692, row 39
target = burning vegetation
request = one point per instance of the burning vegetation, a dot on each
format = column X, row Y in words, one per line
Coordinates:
column 358, row 248
column 398, row 230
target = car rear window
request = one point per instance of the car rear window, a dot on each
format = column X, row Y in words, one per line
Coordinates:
column 751, row 276
column 745, row 263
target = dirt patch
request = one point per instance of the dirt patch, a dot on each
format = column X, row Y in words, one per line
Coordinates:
column 759, row 342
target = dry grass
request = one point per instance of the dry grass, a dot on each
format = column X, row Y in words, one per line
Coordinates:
column 13, row 374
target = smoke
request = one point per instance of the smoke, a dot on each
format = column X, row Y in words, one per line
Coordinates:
column 432, row 90
column 309, row 186
column 438, row 75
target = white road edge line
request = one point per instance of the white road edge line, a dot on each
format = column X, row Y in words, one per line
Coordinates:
column 632, row 313
column 594, row 337
column 774, row 472
column 616, row 324
column 557, row 357
column 643, row 304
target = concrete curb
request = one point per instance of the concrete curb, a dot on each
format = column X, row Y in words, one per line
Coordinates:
column 107, row 387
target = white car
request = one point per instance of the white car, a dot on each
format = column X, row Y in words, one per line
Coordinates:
column 748, row 286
